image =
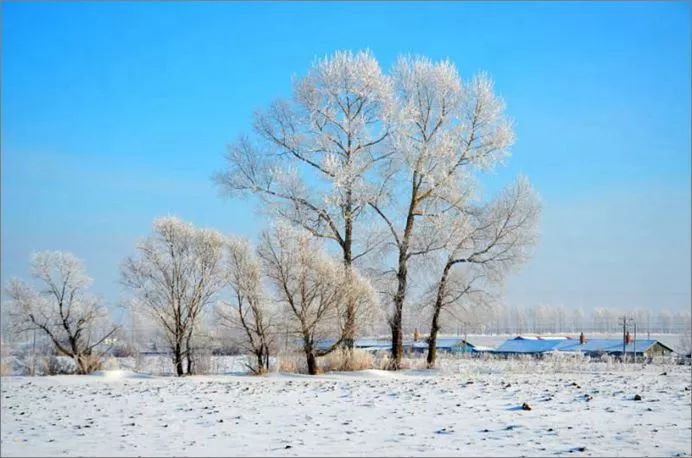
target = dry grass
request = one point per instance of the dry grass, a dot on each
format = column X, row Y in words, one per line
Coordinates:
column 110, row 363
column 293, row 363
column 342, row 359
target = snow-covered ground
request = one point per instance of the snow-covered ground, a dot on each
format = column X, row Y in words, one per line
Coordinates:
column 473, row 407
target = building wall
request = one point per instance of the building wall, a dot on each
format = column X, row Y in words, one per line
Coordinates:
column 657, row 350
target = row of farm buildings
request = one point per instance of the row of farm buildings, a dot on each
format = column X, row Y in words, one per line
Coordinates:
column 531, row 346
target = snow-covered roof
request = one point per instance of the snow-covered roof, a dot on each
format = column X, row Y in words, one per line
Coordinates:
column 359, row 343
column 441, row 343
column 612, row 346
column 372, row 343
column 532, row 345
column 536, row 345
column 541, row 338
column 445, row 342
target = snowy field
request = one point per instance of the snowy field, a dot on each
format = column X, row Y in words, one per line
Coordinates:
column 471, row 407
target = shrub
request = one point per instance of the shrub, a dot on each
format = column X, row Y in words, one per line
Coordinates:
column 56, row 365
column 5, row 367
column 123, row 350
column 202, row 362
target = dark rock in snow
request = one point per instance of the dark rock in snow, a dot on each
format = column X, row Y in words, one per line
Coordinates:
column 525, row 406
column 637, row 397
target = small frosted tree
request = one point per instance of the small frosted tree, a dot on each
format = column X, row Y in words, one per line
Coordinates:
column 485, row 243
column 312, row 289
column 75, row 321
column 174, row 276
column 248, row 309
column 313, row 159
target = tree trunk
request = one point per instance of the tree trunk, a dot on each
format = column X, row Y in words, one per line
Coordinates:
column 178, row 360
column 189, row 355
column 435, row 326
column 190, row 363
column 349, row 326
column 402, row 278
column 432, row 340
column 397, row 345
column 312, row 362
column 81, row 365
column 396, row 323
column 266, row 358
column 262, row 361
column 350, row 320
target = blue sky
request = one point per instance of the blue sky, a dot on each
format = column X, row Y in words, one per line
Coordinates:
column 116, row 113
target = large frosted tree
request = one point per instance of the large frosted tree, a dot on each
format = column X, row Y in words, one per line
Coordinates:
column 314, row 158
column 356, row 146
column 442, row 131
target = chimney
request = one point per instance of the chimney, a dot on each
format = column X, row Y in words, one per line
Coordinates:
column 416, row 335
column 628, row 338
column 582, row 339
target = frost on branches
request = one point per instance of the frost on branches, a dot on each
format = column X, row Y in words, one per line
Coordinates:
column 443, row 131
column 314, row 159
column 75, row 321
column 174, row 276
column 249, row 309
column 483, row 244
column 312, row 289
column 384, row 161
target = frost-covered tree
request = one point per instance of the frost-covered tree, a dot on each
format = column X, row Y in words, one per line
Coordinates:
column 74, row 320
column 313, row 158
column 175, row 274
column 605, row 319
column 484, row 244
column 249, row 309
column 577, row 320
column 443, row 130
column 664, row 321
column 312, row 289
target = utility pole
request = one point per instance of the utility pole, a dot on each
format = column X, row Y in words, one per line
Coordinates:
column 634, row 352
column 625, row 321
